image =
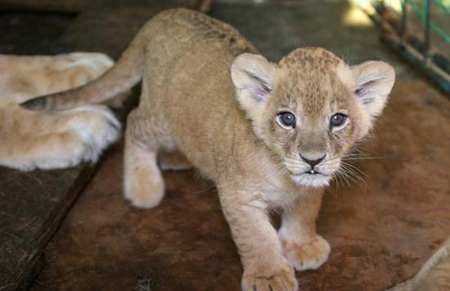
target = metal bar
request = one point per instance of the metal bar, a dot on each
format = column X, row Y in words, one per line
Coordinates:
column 419, row 54
column 442, row 5
column 426, row 25
column 404, row 19
column 439, row 31
column 416, row 9
column 416, row 59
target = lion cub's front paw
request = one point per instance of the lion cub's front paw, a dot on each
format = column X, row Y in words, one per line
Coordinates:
column 282, row 280
column 307, row 255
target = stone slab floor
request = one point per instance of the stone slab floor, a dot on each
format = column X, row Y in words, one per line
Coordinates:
column 381, row 230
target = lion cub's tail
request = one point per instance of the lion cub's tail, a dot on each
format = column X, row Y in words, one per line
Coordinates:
column 126, row 73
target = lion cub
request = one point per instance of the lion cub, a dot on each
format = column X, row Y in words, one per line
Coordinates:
column 271, row 135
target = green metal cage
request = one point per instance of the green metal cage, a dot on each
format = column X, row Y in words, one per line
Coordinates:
column 416, row 30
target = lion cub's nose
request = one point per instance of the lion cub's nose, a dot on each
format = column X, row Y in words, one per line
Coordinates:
column 312, row 161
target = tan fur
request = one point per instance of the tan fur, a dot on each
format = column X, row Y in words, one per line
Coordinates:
column 209, row 94
column 434, row 275
column 173, row 160
column 49, row 140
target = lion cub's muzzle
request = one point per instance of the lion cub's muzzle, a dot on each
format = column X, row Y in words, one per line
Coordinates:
column 312, row 169
column 312, row 161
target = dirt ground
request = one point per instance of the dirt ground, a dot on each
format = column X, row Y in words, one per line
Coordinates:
column 381, row 230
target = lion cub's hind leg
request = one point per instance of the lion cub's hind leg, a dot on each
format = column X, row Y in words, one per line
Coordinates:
column 143, row 181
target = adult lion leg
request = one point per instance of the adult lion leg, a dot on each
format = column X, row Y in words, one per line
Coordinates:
column 50, row 151
column 434, row 274
column 143, row 182
column 53, row 140
column 302, row 246
column 265, row 267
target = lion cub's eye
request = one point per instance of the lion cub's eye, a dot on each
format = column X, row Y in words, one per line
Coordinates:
column 337, row 120
column 286, row 119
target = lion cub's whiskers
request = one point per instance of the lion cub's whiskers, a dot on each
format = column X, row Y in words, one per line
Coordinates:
column 353, row 173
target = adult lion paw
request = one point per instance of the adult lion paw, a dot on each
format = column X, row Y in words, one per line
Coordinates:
column 283, row 280
column 96, row 127
column 308, row 255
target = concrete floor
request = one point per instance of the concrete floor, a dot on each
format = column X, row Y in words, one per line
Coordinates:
column 381, row 231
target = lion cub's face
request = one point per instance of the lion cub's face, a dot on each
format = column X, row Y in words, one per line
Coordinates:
column 311, row 107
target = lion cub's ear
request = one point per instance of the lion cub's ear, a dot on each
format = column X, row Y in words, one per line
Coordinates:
column 374, row 81
column 252, row 77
